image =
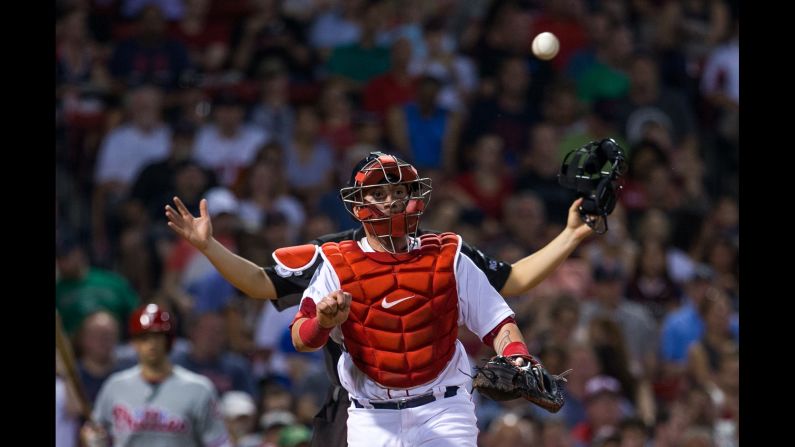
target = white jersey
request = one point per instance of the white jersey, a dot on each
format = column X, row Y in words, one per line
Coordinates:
column 480, row 309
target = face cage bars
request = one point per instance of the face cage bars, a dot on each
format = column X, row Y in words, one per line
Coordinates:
column 419, row 189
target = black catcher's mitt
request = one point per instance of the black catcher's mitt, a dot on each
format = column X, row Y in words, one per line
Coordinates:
column 500, row 379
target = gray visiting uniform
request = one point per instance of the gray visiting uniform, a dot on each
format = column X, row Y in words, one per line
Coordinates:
column 181, row 411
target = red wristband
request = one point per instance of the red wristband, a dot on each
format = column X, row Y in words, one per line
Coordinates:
column 518, row 349
column 312, row 334
column 488, row 340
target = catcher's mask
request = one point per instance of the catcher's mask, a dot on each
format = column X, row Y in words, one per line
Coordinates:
column 382, row 169
column 593, row 171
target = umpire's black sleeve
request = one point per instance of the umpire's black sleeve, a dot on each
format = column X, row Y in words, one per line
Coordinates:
column 496, row 271
column 289, row 289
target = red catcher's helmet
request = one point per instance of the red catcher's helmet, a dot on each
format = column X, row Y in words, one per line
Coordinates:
column 381, row 169
column 151, row 318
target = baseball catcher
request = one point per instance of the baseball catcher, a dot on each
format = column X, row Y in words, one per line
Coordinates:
column 502, row 378
column 295, row 266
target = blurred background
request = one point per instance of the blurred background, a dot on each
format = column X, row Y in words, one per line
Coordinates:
column 264, row 106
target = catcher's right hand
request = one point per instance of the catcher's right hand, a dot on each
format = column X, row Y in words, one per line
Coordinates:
column 500, row 379
column 333, row 309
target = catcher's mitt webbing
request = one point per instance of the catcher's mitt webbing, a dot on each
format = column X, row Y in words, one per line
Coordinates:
column 500, row 379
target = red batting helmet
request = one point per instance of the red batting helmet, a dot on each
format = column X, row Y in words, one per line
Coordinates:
column 151, row 318
column 379, row 169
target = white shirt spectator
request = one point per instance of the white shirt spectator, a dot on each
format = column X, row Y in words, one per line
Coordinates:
column 459, row 77
column 127, row 149
column 722, row 71
column 330, row 29
column 227, row 156
column 679, row 264
column 251, row 214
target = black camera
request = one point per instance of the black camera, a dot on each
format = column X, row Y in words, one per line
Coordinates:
column 593, row 170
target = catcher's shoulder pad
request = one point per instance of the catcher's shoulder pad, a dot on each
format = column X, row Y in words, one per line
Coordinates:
column 294, row 260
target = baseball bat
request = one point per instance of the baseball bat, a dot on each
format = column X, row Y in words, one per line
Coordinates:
column 64, row 349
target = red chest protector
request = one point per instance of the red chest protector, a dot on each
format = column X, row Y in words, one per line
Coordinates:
column 403, row 321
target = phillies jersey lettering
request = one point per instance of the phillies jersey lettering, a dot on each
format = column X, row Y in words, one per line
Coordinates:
column 147, row 419
column 180, row 411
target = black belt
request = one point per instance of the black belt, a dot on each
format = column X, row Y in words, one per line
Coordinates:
column 412, row 402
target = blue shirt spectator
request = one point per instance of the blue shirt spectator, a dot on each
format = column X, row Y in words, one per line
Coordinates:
column 683, row 327
column 211, row 293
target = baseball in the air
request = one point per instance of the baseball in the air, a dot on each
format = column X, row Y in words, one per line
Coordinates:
column 546, row 46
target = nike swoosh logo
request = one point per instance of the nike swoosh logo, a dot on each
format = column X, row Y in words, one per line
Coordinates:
column 386, row 304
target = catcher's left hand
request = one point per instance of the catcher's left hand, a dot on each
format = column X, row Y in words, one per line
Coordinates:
column 501, row 379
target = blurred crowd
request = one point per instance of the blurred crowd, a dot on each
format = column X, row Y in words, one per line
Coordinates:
column 264, row 106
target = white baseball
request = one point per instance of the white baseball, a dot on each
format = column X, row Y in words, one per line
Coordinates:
column 546, row 46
